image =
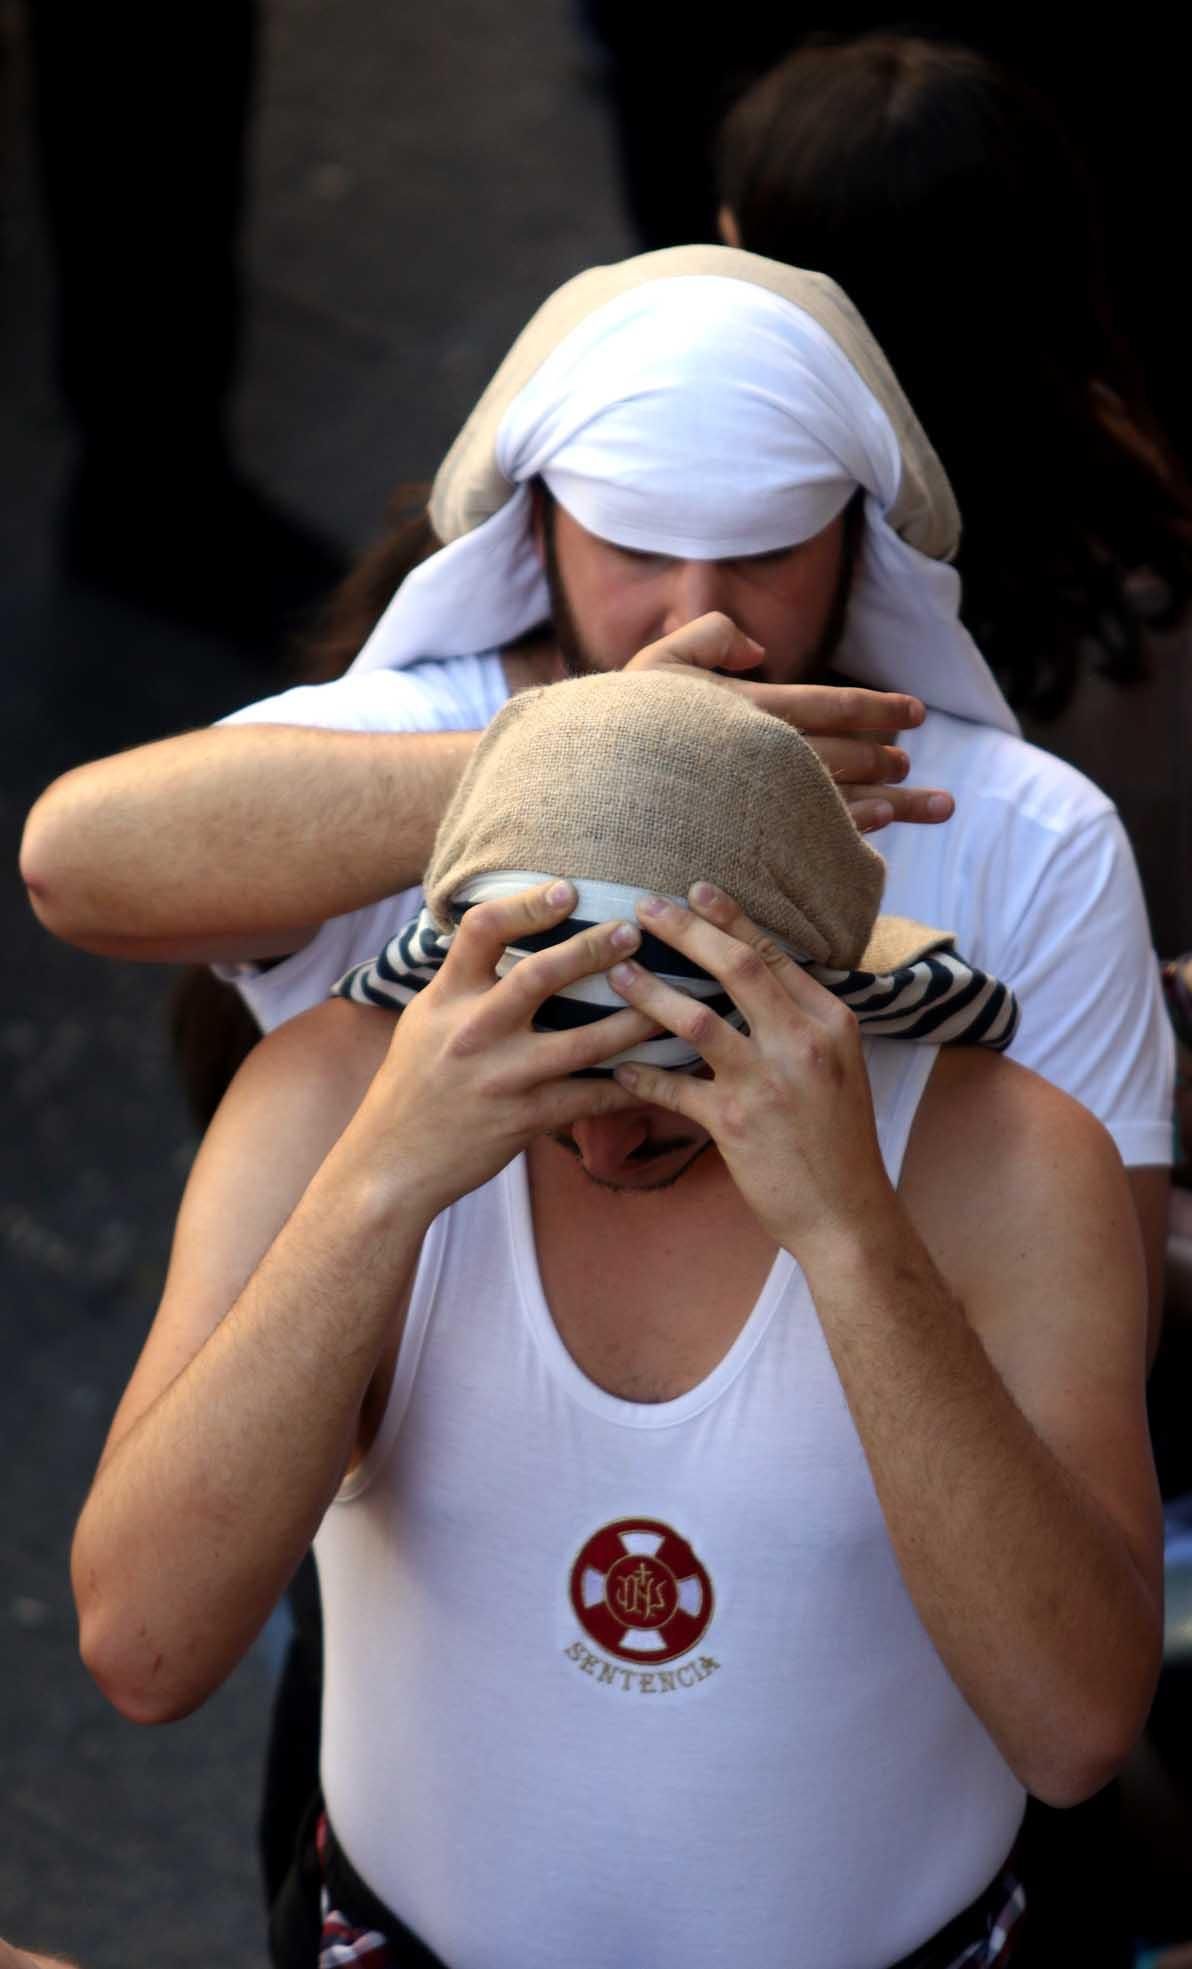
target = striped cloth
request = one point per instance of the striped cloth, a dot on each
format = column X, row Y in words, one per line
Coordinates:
column 939, row 1000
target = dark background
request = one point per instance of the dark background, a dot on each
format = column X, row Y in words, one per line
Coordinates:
column 420, row 179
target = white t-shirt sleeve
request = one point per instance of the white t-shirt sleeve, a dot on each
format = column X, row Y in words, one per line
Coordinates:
column 455, row 694
column 1093, row 1019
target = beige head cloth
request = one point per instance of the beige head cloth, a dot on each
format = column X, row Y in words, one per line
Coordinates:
column 657, row 781
column 707, row 404
column 470, row 485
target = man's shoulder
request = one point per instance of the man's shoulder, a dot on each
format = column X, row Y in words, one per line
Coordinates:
column 317, row 1065
column 972, row 1089
column 995, row 770
column 995, row 1149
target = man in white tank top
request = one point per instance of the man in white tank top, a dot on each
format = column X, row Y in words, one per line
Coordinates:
column 730, row 1486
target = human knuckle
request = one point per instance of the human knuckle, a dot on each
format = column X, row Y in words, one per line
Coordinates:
column 530, row 980
column 481, row 923
column 736, row 1116
column 842, row 1020
column 699, row 1024
column 744, row 965
column 462, row 1042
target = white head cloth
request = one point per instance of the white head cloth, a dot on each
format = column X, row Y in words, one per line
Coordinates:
column 702, row 403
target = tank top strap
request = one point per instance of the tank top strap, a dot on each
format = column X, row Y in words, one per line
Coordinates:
column 898, row 1074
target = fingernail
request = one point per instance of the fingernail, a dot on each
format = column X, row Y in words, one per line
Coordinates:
column 703, row 892
column 653, row 906
column 625, row 1076
column 939, row 806
column 622, row 975
column 626, row 936
column 559, row 892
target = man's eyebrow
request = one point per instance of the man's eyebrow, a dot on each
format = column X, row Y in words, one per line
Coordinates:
column 771, row 553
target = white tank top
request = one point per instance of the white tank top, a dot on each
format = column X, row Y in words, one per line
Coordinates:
column 613, row 1685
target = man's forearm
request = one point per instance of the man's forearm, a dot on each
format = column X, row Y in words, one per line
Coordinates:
column 200, row 1514
column 1028, row 1588
column 237, row 841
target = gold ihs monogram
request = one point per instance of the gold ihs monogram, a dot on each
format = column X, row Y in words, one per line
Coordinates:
column 639, row 1595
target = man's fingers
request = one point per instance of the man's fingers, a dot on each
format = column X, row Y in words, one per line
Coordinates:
column 925, row 806
column 545, row 972
column 711, row 642
column 678, row 1093
column 747, row 970
column 861, row 761
column 712, row 906
column 557, row 1054
column 838, row 709
column 578, row 1100
column 676, row 1011
column 512, row 1004
column 487, row 927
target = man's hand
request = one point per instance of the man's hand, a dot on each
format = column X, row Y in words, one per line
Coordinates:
column 789, row 1107
column 850, row 728
column 467, row 1083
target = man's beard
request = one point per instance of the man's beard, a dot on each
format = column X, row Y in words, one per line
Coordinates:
column 577, row 662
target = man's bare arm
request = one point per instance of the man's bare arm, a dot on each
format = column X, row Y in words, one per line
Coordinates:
column 285, row 1285
column 996, row 1373
column 239, row 841
column 270, row 1354
column 235, row 842
column 987, row 1324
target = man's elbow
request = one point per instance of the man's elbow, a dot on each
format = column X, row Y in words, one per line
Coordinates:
column 1065, row 1782
column 126, row 1662
column 1096, row 1745
column 46, row 869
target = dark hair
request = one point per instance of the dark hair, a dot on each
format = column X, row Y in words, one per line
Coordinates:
column 211, row 1028
column 947, row 200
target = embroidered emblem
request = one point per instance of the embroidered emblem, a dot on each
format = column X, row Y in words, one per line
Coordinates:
column 638, row 1589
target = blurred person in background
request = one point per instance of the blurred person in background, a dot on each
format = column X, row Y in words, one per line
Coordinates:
column 1117, row 86
column 945, row 196
column 143, row 136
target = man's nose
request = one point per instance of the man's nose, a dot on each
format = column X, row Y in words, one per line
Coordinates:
column 696, row 588
column 606, row 1141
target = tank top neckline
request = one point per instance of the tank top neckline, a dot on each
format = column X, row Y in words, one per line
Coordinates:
column 566, row 1371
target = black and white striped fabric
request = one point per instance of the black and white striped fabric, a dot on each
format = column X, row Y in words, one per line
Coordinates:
column 939, row 1000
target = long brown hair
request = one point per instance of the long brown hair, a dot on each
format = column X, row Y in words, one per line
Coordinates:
column 947, row 200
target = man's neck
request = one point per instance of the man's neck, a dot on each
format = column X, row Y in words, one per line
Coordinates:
column 647, row 1289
